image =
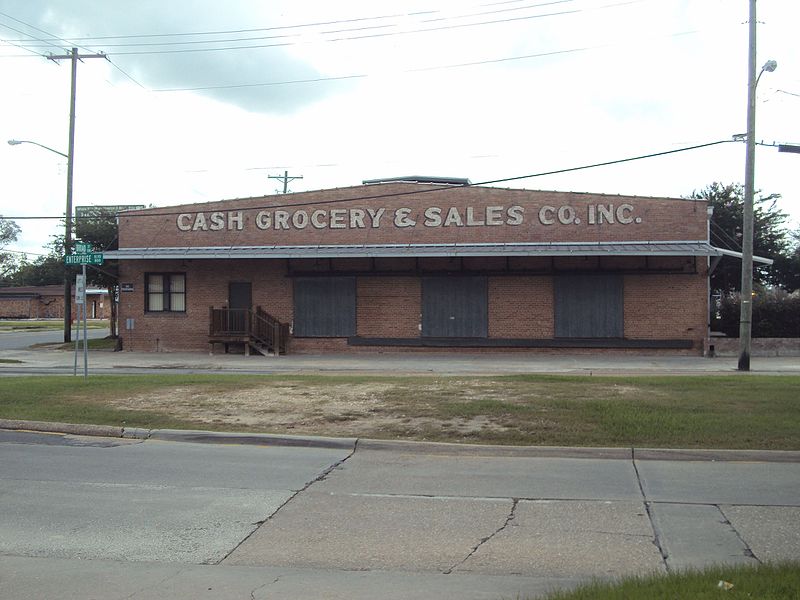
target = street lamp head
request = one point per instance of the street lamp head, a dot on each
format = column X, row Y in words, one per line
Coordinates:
column 770, row 66
column 14, row 142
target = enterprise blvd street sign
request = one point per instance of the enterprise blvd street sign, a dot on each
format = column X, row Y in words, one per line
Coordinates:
column 94, row 258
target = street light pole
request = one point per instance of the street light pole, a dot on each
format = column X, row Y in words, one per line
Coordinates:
column 746, row 300
column 18, row 142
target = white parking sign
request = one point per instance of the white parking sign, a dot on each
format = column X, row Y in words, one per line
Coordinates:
column 80, row 289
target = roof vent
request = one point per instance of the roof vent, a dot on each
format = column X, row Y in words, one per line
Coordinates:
column 420, row 179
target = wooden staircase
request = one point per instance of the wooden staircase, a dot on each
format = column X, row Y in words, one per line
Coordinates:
column 255, row 329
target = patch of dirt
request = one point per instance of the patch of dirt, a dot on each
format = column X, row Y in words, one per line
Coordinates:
column 353, row 410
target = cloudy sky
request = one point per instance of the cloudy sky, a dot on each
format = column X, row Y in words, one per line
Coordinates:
column 205, row 100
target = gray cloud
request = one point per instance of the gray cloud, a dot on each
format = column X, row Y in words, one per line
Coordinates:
column 87, row 18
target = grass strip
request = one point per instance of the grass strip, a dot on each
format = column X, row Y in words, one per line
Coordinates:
column 765, row 582
column 738, row 412
column 46, row 325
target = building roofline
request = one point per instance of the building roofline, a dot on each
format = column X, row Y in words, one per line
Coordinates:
column 430, row 187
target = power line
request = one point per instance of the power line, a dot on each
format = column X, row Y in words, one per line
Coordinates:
column 429, row 190
column 52, row 36
column 294, row 26
column 414, row 70
column 365, row 75
column 2, row 250
column 333, row 40
column 22, row 48
column 117, row 67
column 286, row 178
column 352, row 29
column 348, row 38
column 722, row 235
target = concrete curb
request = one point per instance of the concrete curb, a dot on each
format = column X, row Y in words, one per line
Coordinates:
column 298, row 441
column 444, row 448
column 181, row 435
column 71, row 428
column 774, row 456
column 253, row 439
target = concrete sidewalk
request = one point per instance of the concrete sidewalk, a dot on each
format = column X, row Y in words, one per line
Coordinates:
column 157, row 519
column 43, row 361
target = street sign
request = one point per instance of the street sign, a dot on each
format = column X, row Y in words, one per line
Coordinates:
column 95, row 258
column 82, row 248
column 80, row 289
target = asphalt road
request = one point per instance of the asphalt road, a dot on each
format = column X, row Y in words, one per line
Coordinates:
column 19, row 340
column 115, row 518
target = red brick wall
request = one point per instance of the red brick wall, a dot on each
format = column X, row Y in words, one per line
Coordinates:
column 206, row 285
column 521, row 307
column 663, row 219
column 18, row 309
column 389, row 307
column 666, row 307
column 656, row 306
column 50, row 307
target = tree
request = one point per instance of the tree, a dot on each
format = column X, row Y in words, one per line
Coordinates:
column 787, row 266
column 44, row 270
column 769, row 235
column 8, row 233
column 98, row 227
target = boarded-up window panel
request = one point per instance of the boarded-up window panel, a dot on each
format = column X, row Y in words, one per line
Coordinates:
column 454, row 307
column 325, row 307
column 589, row 306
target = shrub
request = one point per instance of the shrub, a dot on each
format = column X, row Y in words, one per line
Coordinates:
column 776, row 314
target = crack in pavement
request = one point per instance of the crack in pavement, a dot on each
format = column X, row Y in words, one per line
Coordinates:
column 619, row 533
column 263, row 585
column 155, row 585
column 320, row 477
column 509, row 518
column 747, row 550
column 648, row 509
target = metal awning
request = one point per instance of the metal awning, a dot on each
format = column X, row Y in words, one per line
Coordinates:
column 759, row 259
column 670, row 248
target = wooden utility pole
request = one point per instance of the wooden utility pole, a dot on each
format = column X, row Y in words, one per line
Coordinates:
column 286, row 179
column 74, row 57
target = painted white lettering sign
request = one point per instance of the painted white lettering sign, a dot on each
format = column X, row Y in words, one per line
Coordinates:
column 405, row 217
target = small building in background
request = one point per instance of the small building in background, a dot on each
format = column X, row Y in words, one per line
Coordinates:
column 47, row 302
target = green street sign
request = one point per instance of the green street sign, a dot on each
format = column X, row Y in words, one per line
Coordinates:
column 83, row 248
column 95, row 258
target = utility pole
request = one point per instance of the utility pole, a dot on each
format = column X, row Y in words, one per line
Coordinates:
column 746, row 300
column 286, row 179
column 74, row 57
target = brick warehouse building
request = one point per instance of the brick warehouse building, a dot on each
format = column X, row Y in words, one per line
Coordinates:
column 417, row 263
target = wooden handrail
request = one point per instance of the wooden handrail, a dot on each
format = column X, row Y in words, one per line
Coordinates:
column 258, row 325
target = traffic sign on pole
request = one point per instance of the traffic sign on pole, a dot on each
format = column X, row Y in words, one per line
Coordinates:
column 80, row 289
column 95, row 258
column 82, row 248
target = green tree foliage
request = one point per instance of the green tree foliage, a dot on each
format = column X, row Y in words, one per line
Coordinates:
column 8, row 233
column 44, row 270
column 769, row 235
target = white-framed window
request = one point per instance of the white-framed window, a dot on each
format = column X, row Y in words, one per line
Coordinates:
column 165, row 292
